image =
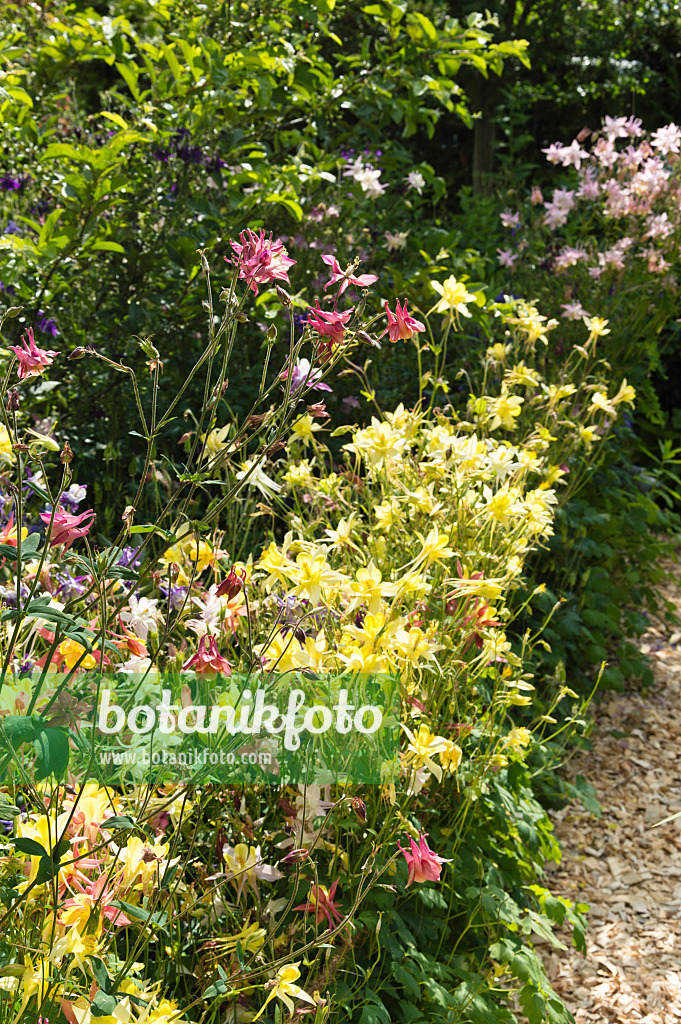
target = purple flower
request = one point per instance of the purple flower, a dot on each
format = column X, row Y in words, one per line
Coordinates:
column 45, row 324
column 10, row 184
column 305, row 376
column 175, row 596
column 129, row 557
column 72, row 498
column 69, row 586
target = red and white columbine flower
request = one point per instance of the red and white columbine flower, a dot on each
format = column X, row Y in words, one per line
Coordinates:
column 261, row 259
column 67, row 528
column 346, row 277
column 402, row 325
column 424, row 865
column 32, row 360
column 208, row 661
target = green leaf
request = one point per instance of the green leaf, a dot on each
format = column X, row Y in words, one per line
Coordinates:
column 159, row 918
column 101, row 974
column 52, row 752
column 31, row 847
column 17, row 729
column 119, row 821
column 103, row 1005
column 116, row 118
column 105, row 246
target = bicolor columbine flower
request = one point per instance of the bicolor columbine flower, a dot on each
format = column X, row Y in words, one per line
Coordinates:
column 320, row 903
column 423, row 864
column 305, row 376
column 260, row 259
column 208, row 661
column 32, row 360
column 346, row 277
column 67, row 528
column 402, row 325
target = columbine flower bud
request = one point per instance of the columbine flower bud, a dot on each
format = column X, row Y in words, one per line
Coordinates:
column 271, row 333
column 296, row 856
column 78, row 353
column 12, row 400
column 283, row 296
column 204, row 262
column 360, row 808
column 66, row 455
column 149, row 349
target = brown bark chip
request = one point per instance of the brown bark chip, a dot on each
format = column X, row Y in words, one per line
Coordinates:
column 628, row 871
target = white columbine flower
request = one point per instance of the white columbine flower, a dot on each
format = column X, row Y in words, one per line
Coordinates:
column 415, row 180
column 141, row 615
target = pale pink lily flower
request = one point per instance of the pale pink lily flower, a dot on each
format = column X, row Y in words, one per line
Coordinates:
column 208, row 661
column 423, row 864
column 402, row 325
column 32, row 359
column 67, row 528
column 261, row 259
column 346, row 278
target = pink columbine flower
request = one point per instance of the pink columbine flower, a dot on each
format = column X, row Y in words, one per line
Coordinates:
column 360, row 280
column 329, row 325
column 423, row 864
column 31, row 358
column 261, row 260
column 208, row 661
column 402, row 325
column 506, row 258
column 67, row 528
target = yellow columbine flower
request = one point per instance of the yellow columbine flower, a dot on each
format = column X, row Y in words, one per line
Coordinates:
column 505, row 410
column 71, row 650
column 451, row 756
column 434, row 547
column 424, row 745
column 6, row 453
column 284, row 988
column 518, row 738
column 216, row 441
column 597, row 326
column 367, row 587
column 587, row 434
column 304, row 429
column 599, row 399
column 625, row 394
column 251, row 937
column 455, row 295
column 311, row 573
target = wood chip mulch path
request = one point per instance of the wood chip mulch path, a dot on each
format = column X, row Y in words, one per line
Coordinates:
column 627, row 871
